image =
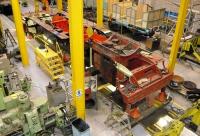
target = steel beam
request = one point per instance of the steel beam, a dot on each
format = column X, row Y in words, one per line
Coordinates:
column 99, row 13
column 178, row 34
column 20, row 32
column 77, row 54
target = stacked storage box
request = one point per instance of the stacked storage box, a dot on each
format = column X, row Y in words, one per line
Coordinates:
column 119, row 10
column 153, row 18
column 143, row 16
column 140, row 9
column 107, row 7
column 131, row 15
column 135, row 14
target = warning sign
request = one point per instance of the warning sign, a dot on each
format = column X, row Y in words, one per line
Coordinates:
column 78, row 93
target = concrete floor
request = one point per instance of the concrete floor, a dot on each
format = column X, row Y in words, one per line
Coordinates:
column 94, row 118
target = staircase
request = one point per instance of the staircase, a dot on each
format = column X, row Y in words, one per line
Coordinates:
column 120, row 123
column 50, row 62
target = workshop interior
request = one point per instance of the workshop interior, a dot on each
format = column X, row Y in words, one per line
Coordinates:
column 99, row 67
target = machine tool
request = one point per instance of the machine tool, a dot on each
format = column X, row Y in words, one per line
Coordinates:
column 22, row 116
column 191, row 117
column 190, row 49
column 183, row 124
column 11, row 83
column 5, row 63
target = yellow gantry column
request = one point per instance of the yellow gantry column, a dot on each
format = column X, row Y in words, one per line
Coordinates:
column 20, row 31
column 77, row 54
column 178, row 33
column 99, row 13
column 36, row 3
column 47, row 6
column 59, row 5
column 1, row 29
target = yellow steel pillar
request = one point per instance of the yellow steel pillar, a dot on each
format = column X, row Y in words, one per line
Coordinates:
column 59, row 5
column 99, row 13
column 47, row 5
column 77, row 54
column 178, row 33
column 36, row 3
column 20, row 32
column 1, row 29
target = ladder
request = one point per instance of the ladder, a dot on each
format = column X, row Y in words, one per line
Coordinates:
column 10, row 37
column 120, row 123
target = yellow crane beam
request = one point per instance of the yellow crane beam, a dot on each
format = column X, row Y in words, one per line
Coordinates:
column 178, row 34
column 20, row 32
column 59, row 5
column 99, row 13
column 77, row 54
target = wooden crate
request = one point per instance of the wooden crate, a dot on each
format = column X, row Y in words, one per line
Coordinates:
column 140, row 9
column 154, row 15
column 153, row 18
column 107, row 6
column 119, row 9
column 131, row 15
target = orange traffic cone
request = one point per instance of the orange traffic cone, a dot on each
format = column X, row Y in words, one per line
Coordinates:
column 135, row 113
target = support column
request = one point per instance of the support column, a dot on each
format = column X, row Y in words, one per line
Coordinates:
column 46, row 5
column 36, row 3
column 59, row 5
column 77, row 54
column 1, row 29
column 99, row 13
column 178, row 34
column 20, row 31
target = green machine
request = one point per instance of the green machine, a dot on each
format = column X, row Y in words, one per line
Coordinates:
column 21, row 116
column 10, row 83
column 190, row 49
column 192, row 116
column 190, row 120
column 2, row 92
